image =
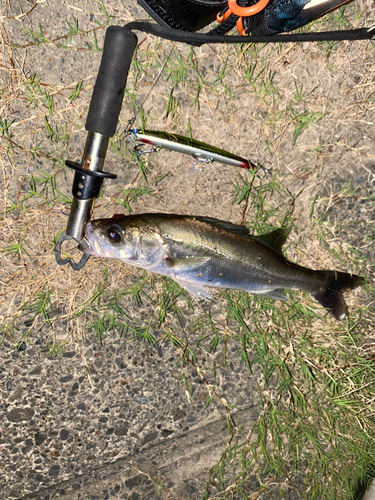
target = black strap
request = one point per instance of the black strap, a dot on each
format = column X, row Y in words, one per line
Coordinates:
column 224, row 27
column 201, row 38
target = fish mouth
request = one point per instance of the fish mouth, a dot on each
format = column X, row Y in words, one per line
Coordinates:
column 91, row 240
column 95, row 243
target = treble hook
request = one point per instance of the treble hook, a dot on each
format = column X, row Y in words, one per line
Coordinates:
column 139, row 151
column 208, row 161
column 266, row 171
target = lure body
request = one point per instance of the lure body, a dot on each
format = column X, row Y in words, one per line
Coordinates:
column 197, row 149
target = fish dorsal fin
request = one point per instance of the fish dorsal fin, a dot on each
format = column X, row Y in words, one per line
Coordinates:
column 227, row 226
column 274, row 239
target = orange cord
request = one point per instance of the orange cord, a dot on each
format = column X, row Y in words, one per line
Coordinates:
column 234, row 8
column 224, row 17
column 246, row 11
column 240, row 27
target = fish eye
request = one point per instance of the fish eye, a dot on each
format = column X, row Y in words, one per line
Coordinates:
column 115, row 232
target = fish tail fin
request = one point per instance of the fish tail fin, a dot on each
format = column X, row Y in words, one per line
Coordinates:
column 332, row 297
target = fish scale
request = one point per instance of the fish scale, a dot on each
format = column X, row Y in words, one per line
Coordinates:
column 245, row 263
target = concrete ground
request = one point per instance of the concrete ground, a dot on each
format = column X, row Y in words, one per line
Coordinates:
column 126, row 431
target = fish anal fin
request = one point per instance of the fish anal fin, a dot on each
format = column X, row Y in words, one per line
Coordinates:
column 273, row 294
column 277, row 295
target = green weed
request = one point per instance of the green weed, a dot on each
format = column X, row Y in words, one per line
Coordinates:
column 131, row 194
column 302, row 120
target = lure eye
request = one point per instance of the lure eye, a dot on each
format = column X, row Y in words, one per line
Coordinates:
column 115, row 233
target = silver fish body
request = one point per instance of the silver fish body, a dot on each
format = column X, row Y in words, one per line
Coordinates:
column 200, row 252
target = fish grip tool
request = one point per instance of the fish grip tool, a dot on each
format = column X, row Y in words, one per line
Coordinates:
column 101, row 123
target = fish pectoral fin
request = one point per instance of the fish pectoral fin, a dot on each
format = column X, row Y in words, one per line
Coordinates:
column 274, row 294
column 185, row 263
column 195, row 289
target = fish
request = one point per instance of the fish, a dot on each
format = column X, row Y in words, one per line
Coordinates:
column 200, row 252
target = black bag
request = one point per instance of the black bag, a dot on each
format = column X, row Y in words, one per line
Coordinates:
column 275, row 17
column 258, row 21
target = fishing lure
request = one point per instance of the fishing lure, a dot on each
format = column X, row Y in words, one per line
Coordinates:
column 201, row 151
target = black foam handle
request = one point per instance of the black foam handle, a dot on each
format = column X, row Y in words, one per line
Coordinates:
column 106, row 100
